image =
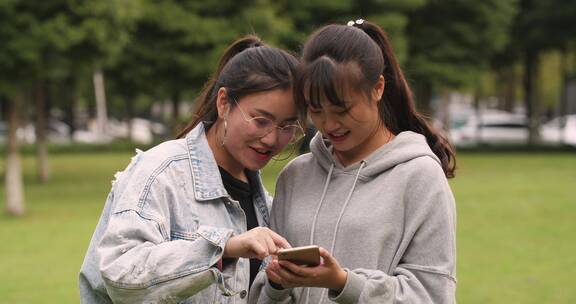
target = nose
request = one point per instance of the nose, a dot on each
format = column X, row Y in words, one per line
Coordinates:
column 330, row 123
column 271, row 138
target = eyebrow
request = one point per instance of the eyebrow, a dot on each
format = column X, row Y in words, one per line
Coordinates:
column 270, row 115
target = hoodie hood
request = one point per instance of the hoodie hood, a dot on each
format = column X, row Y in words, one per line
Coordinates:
column 404, row 147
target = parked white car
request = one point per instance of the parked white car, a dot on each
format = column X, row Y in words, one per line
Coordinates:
column 142, row 132
column 561, row 130
column 57, row 132
column 491, row 127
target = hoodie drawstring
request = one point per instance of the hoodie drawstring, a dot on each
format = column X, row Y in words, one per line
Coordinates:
column 320, row 204
column 362, row 164
column 335, row 233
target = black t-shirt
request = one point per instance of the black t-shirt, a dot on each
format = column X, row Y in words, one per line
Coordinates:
column 242, row 192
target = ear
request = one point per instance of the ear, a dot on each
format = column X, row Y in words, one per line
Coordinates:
column 378, row 89
column 222, row 103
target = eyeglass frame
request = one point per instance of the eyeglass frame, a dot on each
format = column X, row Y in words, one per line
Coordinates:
column 275, row 124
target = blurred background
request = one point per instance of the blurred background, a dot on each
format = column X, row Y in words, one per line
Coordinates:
column 83, row 83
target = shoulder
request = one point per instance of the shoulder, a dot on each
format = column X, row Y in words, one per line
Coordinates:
column 154, row 171
column 172, row 149
column 423, row 176
column 427, row 183
column 146, row 166
column 422, row 168
column 161, row 156
column 298, row 165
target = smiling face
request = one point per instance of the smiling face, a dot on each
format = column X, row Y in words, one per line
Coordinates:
column 354, row 128
column 245, row 148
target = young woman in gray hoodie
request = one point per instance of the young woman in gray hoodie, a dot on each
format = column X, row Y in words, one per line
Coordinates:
column 373, row 192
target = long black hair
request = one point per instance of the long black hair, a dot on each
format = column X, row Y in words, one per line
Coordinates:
column 247, row 66
column 337, row 55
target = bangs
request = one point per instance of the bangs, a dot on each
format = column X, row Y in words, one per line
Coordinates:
column 328, row 81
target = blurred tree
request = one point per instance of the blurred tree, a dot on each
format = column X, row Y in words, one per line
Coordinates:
column 13, row 183
column 540, row 26
column 506, row 78
column 452, row 41
column 16, row 55
column 170, row 52
column 307, row 16
column 52, row 40
column 100, row 31
column 393, row 17
column 176, row 45
column 41, row 129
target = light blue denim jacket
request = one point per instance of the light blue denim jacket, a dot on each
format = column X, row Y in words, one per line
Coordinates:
column 163, row 230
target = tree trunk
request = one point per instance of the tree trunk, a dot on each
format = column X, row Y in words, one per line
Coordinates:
column 71, row 97
column 424, row 98
column 506, row 87
column 531, row 69
column 445, row 112
column 100, row 93
column 130, row 114
column 41, row 128
column 477, row 114
column 563, row 105
column 3, row 109
column 175, row 124
column 510, row 89
column 14, row 184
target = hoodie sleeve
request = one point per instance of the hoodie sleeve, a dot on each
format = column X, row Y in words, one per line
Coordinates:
column 425, row 272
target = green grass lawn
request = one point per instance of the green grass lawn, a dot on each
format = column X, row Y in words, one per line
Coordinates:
column 516, row 225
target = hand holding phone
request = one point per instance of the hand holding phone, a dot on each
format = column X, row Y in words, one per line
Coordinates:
column 304, row 255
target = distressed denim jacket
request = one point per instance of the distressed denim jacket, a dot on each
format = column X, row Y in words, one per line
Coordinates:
column 163, row 230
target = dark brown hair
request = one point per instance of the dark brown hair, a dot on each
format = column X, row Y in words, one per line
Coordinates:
column 360, row 54
column 247, row 66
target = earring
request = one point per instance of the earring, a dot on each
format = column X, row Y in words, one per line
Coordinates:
column 225, row 132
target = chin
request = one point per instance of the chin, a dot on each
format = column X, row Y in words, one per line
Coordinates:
column 255, row 166
column 343, row 147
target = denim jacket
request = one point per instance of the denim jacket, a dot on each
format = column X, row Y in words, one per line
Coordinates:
column 163, row 230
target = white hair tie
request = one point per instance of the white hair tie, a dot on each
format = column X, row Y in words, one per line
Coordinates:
column 357, row 22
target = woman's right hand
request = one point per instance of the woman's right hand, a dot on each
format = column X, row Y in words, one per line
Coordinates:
column 259, row 243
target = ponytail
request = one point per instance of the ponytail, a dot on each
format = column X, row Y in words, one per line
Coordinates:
column 367, row 45
column 206, row 101
column 398, row 107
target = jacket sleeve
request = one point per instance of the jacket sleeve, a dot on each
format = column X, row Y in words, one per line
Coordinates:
column 140, row 261
column 425, row 272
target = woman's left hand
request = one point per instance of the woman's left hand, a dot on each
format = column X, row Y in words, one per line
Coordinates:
column 328, row 274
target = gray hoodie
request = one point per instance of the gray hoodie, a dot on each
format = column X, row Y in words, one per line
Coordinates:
column 389, row 220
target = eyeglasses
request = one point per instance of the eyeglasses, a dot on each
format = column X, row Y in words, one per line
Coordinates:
column 260, row 126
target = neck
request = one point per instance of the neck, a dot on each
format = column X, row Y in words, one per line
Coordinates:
column 222, row 156
column 379, row 138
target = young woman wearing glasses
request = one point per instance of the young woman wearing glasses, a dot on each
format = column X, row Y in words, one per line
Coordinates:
column 185, row 222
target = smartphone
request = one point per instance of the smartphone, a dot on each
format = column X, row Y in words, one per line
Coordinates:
column 305, row 255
